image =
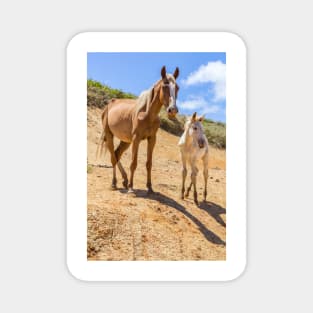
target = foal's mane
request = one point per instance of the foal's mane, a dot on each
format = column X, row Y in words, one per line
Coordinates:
column 182, row 139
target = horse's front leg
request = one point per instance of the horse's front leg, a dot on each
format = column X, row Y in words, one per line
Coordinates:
column 150, row 147
column 133, row 164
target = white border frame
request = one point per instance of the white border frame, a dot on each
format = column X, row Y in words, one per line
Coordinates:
column 77, row 155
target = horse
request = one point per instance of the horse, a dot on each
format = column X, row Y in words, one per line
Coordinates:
column 194, row 146
column 133, row 120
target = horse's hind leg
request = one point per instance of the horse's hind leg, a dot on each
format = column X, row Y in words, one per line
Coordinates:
column 110, row 146
column 123, row 146
column 107, row 136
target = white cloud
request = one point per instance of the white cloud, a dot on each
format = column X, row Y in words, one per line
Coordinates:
column 213, row 72
column 199, row 105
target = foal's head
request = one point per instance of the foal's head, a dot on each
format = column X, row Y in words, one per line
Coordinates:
column 195, row 130
column 168, row 91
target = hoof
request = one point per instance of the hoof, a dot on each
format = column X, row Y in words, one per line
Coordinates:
column 125, row 183
column 131, row 191
column 205, row 196
column 196, row 202
column 113, row 187
column 150, row 191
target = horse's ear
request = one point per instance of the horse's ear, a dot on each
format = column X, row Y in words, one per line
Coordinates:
column 194, row 116
column 176, row 73
column 201, row 118
column 163, row 72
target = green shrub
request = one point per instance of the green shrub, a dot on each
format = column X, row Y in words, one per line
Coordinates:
column 215, row 132
column 174, row 126
column 99, row 95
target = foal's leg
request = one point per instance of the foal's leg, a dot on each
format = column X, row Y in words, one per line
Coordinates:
column 205, row 174
column 118, row 153
column 188, row 190
column 150, row 147
column 190, row 185
column 184, row 174
column 194, row 172
column 133, row 164
column 110, row 145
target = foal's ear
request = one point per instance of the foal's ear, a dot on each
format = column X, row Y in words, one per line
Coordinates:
column 163, row 72
column 176, row 73
column 194, row 117
column 201, row 118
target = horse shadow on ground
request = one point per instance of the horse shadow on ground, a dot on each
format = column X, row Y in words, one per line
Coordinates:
column 213, row 210
column 161, row 198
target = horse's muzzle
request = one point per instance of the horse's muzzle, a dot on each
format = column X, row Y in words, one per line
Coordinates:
column 172, row 111
column 201, row 143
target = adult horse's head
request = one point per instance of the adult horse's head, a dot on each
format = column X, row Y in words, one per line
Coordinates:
column 168, row 91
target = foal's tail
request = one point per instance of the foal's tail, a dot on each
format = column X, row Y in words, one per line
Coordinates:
column 101, row 149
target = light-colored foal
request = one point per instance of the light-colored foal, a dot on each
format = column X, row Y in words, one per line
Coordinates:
column 193, row 147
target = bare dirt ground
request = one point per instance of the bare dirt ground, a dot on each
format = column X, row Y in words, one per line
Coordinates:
column 158, row 227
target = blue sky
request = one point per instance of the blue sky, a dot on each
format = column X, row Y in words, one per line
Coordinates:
column 201, row 79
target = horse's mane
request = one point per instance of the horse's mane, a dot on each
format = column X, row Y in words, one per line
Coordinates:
column 145, row 98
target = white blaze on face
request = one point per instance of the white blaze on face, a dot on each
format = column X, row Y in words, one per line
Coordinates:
column 172, row 94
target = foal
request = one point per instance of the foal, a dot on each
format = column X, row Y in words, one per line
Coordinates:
column 193, row 147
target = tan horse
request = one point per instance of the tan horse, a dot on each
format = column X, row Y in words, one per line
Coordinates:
column 193, row 147
column 134, row 120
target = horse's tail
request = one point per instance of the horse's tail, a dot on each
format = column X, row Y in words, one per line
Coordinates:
column 101, row 149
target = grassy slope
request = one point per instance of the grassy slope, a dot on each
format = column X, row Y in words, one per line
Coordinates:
column 99, row 95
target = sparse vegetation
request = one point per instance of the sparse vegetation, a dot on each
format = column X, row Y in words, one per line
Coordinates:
column 216, row 133
column 174, row 126
column 99, row 95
